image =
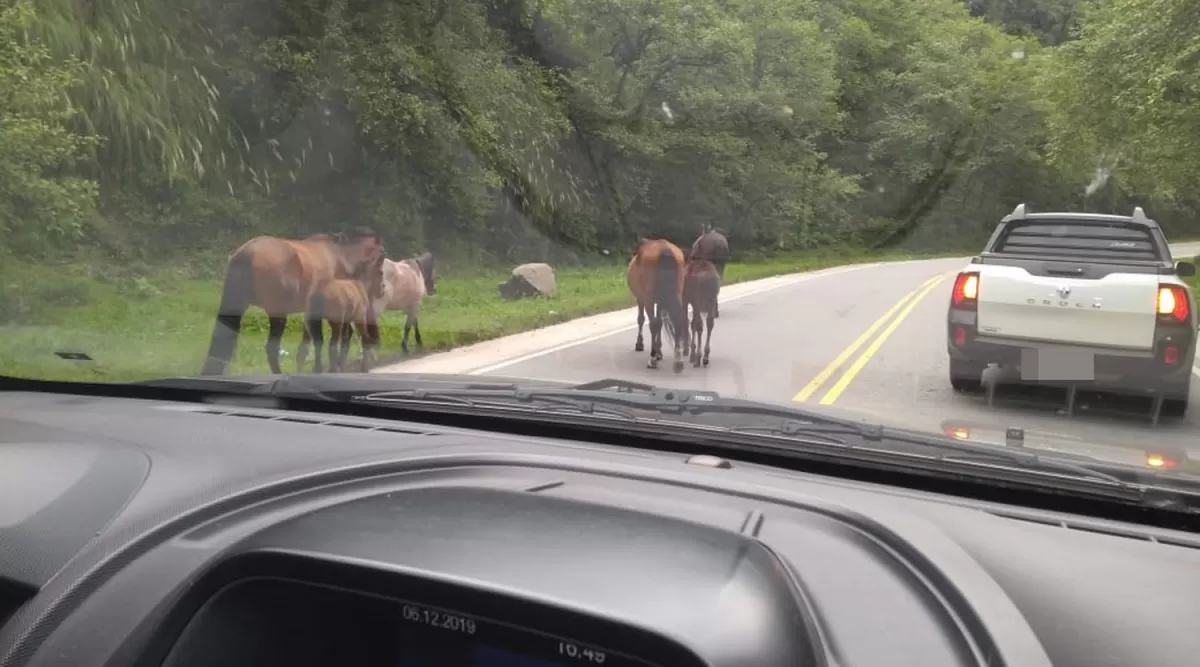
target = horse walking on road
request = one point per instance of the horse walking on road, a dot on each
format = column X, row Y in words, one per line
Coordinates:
column 702, row 284
column 405, row 284
column 656, row 280
column 280, row 276
column 345, row 304
column 713, row 247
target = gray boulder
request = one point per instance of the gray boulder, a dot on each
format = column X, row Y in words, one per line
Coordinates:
column 529, row 280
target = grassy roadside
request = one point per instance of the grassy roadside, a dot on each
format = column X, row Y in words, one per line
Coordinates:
column 147, row 324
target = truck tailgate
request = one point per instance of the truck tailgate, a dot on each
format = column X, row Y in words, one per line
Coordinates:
column 1117, row 310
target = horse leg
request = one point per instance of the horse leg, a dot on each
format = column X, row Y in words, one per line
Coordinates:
column 680, row 341
column 687, row 340
column 708, row 337
column 641, row 320
column 335, row 343
column 417, row 331
column 274, row 337
column 317, row 330
column 363, row 365
column 694, row 337
column 345, row 351
column 655, row 337
column 408, row 325
column 372, row 327
column 721, row 274
column 305, row 343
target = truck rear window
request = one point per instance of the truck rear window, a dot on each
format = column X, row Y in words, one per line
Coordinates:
column 1084, row 240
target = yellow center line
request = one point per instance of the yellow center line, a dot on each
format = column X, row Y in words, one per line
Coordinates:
column 829, row 370
column 836, row 390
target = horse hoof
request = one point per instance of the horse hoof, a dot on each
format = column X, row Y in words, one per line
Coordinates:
column 706, row 362
column 653, row 363
column 638, row 347
column 678, row 366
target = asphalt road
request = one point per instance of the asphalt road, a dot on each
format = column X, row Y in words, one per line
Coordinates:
column 872, row 341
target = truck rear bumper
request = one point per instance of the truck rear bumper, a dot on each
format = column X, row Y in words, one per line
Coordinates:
column 1167, row 367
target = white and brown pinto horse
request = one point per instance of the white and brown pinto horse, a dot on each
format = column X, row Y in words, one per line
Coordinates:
column 405, row 284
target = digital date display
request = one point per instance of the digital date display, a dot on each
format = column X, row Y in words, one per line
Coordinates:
column 433, row 637
column 436, row 618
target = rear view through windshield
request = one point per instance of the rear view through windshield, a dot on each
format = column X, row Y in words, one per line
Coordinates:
column 1090, row 240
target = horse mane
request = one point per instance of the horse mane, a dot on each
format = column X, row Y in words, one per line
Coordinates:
column 345, row 237
column 357, row 233
column 423, row 262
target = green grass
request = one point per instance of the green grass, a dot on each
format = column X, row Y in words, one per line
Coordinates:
column 144, row 323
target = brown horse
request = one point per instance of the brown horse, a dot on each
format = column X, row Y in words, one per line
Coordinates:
column 702, row 283
column 405, row 285
column 343, row 302
column 656, row 280
column 280, row 276
column 712, row 246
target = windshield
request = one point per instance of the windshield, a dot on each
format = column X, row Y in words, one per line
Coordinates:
column 957, row 217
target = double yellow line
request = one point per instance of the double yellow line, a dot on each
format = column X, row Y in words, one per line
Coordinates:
column 904, row 306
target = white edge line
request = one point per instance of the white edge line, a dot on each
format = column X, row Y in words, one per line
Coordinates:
column 629, row 327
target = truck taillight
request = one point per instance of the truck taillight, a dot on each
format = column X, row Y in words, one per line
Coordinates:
column 1173, row 303
column 966, row 290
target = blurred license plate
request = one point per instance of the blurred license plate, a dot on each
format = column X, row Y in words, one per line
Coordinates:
column 1059, row 365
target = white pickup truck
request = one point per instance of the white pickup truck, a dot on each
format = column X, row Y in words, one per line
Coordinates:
column 1077, row 300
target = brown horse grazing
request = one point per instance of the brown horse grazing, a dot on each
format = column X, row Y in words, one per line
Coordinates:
column 342, row 302
column 702, row 283
column 280, row 276
column 712, row 246
column 405, row 285
column 656, row 280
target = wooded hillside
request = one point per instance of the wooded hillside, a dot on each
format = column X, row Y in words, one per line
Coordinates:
column 502, row 131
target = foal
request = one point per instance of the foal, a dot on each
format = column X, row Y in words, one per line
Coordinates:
column 713, row 246
column 701, row 285
column 344, row 303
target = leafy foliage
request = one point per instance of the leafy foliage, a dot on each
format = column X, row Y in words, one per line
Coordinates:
column 41, row 202
column 510, row 130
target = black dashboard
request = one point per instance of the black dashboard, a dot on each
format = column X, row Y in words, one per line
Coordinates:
column 146, row 533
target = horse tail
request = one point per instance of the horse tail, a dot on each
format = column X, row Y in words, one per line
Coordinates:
column 666, row 293
column 712, row 286
column 719, row 263
column 236, row 296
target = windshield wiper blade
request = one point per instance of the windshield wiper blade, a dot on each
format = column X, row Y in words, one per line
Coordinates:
column 646, row 398
column 779, row 422
column 790, row 427
column 499, row 397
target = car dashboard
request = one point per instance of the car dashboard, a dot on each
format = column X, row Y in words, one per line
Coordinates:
column 146, row 533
